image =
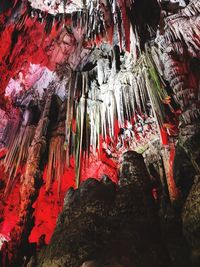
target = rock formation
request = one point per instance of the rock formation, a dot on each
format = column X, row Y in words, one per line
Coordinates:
column 109, row 224
column 88, row 89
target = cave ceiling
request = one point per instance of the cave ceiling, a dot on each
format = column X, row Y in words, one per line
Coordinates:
column 58, row 6
column 38, row 33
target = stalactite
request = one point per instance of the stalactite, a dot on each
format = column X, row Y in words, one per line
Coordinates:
column 11, row 129
column 56, row 161
column 69, row 115
column 17, row 154
column 56, row 164
column 130, row 93
column 82, row 135
column 80, row 127
column 123, row 97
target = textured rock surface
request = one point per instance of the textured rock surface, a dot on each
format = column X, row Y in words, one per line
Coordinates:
column 180, row 46
column 184, row 172
column 191, row 221
column 187, row 162
column 108, row 224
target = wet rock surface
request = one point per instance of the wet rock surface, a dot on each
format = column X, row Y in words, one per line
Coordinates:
column 103, row 224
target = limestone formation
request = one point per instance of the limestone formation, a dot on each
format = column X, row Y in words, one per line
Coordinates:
column 90, row 88
column 103, row 224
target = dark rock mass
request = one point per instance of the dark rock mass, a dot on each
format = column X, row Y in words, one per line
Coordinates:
column 103, row 224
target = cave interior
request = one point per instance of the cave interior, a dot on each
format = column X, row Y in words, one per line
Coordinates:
column 100, row 133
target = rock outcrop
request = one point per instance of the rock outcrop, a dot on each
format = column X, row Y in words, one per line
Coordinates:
column 104, row 224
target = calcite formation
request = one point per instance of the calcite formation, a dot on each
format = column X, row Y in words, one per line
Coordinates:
column 84, row 85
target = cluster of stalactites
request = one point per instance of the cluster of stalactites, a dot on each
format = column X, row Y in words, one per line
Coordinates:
column 131, row 100
column 122, row 110
column 18, row 135
column 96, row 111
column 99, row 20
